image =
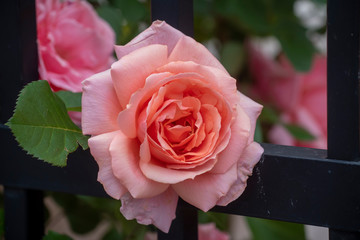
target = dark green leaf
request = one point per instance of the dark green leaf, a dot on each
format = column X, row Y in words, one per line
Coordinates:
column 42, row 126
column 295, row 44
column 113, row 234
column 220, row 219
column 132, row 11
column 56, row 236
column 113, row 16
column 263, row 229
column 298, row 132
column 268, row 115
column 258, row 137
column 232, row 57
column 71, row 100
column 82, row 217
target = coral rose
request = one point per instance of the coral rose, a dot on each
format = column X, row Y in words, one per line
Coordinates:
column 166, row 121
column 300, row 97
column 73, row 43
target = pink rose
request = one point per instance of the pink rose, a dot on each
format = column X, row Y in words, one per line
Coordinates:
column 166, row 121
column 300, row 97
column 73, row 43
column 206, row 231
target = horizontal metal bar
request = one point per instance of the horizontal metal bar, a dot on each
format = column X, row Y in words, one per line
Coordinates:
column 289, row 183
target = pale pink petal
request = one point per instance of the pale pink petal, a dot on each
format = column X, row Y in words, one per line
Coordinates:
column 130, row 72
column 158, row 33
column 240, row 133
column 209, row 231
column 279, row 135
column 187, row 49
column 100, row 105
column 158, row 210
column 245, row 166
column 125, row 163
column 99, row 148
column 253, row 110
column 205, row 190
column 156, row 169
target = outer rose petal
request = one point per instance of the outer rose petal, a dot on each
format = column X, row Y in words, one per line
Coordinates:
column 159, row 210
column 240, row 132
column 100, row 105
column 253, row 110
column 125, row 163
column 99, row 148
column 158, row 33
column 247, row 161
column 129, row 73
column 187, row 49
column 205, row 190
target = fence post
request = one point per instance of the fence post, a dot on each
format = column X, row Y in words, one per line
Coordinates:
column 343, row 87
column 24, row 214
column 179, row 14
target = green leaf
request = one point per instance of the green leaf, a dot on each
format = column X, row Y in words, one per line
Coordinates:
column 42, row 126
column 295, row 44
column 56, row 236
column 232, row 57
column 71, row 100
column 82, row 217
column 113, row 16
column 263, row 229
column 220, row 219
column 268, row 115
column 298, row 132
column 258, row 137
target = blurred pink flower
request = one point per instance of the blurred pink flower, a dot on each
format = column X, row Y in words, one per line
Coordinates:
column 206, row 231
column 73, row 43
column 300, row 97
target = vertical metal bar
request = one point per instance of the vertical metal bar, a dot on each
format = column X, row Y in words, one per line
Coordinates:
column 343, row 79
column 185, row 225
column 24, row 214
column 343, row 87
column 177, row 13
column 18, row 52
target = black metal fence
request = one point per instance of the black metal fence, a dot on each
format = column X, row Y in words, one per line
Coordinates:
column 302, row 185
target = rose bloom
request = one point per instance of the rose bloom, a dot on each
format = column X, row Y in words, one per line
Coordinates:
column 206, row 231
column 300, row 97
column 73, row 43
column 166, row 121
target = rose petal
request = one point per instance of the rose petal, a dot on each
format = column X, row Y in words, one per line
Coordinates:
column 127, row 119
column 187, row 49
column 253, row 110
column 125, row 163
column 156, row 170
column 240, row 132
column 158, row 210
column 216, row 79
column 129, row 73
column 100, row 105
column 247, row 161
column 205, row 190
column 99, row 148
column 158, row 33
